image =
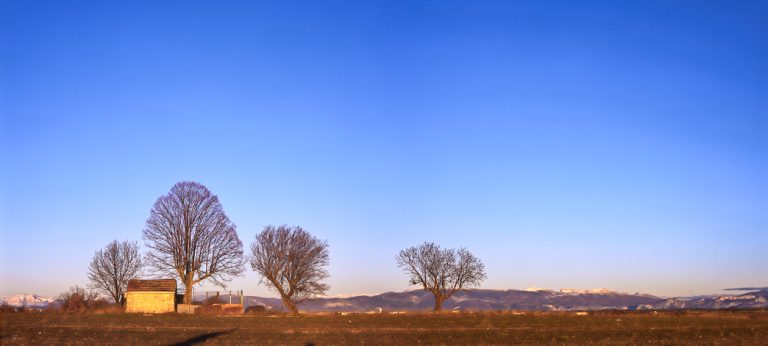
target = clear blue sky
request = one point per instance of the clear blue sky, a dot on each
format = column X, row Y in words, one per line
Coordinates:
column 567, row 144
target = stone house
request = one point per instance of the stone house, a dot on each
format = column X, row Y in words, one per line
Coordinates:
column 151, row 296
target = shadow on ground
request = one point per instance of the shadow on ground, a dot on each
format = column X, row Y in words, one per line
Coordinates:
column 203, row 338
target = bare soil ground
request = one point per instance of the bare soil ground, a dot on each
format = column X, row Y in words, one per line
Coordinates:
column 673, row 328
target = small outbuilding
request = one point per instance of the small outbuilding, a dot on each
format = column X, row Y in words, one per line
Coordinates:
column 151, row 296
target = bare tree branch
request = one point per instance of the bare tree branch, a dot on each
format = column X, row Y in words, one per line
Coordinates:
column 442, row 272
column 292, row 261
column 113, row 266
column 190, row 237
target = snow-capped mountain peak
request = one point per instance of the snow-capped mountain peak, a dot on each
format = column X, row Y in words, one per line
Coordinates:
column 586, row 291
column 29, row 300
column 536, row 289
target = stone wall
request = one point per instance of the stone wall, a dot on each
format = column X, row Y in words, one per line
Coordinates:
column 187, row 308
column 150, row 302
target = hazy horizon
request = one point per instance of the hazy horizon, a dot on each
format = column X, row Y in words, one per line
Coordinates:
column 590, row 145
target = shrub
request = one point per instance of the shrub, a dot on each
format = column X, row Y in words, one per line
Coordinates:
column 77, row 299
column 256, row 309
column 4, row 307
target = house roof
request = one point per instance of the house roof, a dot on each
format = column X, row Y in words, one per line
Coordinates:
column 162, row 285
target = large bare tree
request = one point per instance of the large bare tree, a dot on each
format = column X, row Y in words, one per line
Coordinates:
column 190, row 237
column 113, row 266
column 292, row 261
column 440, row 271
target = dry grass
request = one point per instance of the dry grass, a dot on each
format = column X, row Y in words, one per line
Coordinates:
column 694, row 328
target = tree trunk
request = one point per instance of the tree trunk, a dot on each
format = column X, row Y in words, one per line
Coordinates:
column 290, row 306
column 188, row 292
column 438, row 303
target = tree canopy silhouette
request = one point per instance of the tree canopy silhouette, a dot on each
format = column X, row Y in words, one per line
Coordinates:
column 440, row 271
column 190, row 237
column 292, row 261
column 113, row 266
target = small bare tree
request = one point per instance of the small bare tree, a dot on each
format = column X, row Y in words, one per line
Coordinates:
column 190, row 237
column 113, row 266
column 292, row 261
column 442, row 272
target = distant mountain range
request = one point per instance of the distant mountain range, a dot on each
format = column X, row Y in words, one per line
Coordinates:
column 28, row 300
column 751, row 300
column 531, row 300
column 482, row 300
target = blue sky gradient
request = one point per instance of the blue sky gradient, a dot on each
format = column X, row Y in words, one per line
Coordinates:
column 567, row 144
